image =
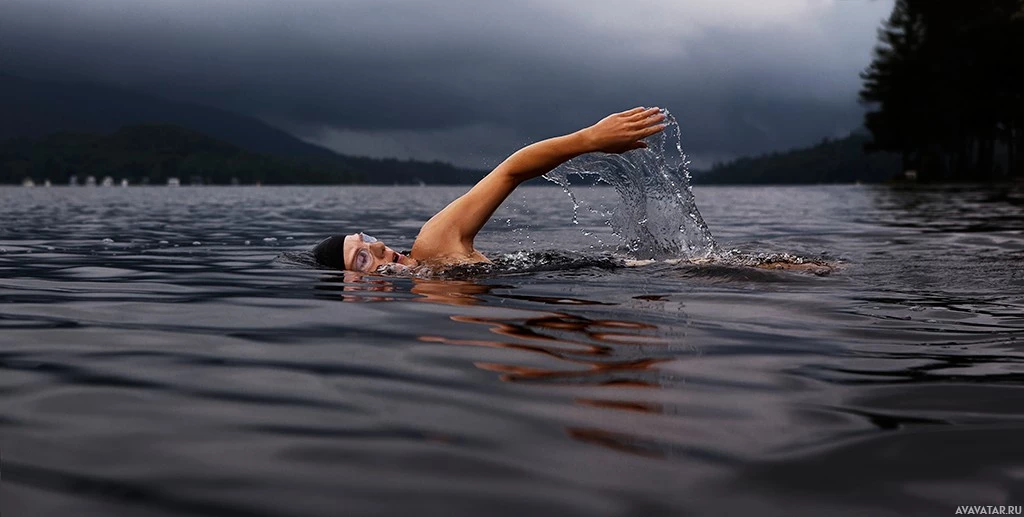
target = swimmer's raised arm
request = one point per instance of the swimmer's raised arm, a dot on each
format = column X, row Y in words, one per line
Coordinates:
column 450, row 233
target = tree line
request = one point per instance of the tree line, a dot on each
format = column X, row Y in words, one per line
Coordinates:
column 153, row 153
column 839, row 160
column 945, row 89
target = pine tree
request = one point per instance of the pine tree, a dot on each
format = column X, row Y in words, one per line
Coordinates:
column 892, row 83
column 946, row 87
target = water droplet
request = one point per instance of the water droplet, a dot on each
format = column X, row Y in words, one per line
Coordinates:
column 196, row 243
column 248, row 243
column 164, row 242
column 108, row 241
column 270, row 239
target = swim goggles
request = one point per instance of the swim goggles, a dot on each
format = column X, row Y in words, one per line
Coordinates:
column 362, row 259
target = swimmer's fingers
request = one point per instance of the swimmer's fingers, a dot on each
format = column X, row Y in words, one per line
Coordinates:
column 634, row 111
column 651, row 130
column 647, row 122
column 644, row 133
column 644, row 114
column 621, row 132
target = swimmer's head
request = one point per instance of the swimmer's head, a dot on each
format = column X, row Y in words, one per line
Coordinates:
column 358, row 252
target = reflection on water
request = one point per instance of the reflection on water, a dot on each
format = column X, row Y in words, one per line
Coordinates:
column 944, row 208
column 587, row 352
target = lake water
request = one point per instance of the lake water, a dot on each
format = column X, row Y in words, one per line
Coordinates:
column 191, row 365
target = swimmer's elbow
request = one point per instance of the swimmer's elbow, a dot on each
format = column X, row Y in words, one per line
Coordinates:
column 510, row 178
column 517, row 170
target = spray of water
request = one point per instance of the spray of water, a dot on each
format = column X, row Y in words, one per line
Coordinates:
column 656, row 216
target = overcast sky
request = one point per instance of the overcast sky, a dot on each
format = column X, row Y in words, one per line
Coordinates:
column 469, row 81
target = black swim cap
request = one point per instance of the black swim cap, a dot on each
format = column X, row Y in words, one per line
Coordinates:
column 330, row 252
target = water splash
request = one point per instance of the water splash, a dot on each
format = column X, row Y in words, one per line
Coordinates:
column 656, row 216
column 519, row 262
column 729, row 266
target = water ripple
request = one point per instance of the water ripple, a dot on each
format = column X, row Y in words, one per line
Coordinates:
column 145, row 374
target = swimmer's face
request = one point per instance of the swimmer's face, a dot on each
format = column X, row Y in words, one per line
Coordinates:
column 366, row 254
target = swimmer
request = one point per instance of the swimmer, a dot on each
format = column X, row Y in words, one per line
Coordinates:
column 447, row 238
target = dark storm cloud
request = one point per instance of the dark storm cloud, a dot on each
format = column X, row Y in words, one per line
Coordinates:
column 465, row 80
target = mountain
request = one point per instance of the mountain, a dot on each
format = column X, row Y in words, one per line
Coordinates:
column 840, row 160
column 34, row 109
column 153, row 154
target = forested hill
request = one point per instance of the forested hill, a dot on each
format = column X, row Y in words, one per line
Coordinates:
column 154, row 153
column 830, row 161
column 35, row 109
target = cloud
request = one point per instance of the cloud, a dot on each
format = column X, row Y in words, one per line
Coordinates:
column 403, row 77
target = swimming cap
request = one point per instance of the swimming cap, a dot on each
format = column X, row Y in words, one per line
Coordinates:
column 330, row 252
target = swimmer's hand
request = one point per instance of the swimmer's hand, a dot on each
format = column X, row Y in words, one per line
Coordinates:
column 625, row 131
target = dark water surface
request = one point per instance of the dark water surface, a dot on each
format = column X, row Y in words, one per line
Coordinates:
column 186, row 368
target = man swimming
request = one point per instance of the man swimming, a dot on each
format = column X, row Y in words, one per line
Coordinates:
column 447, row 238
